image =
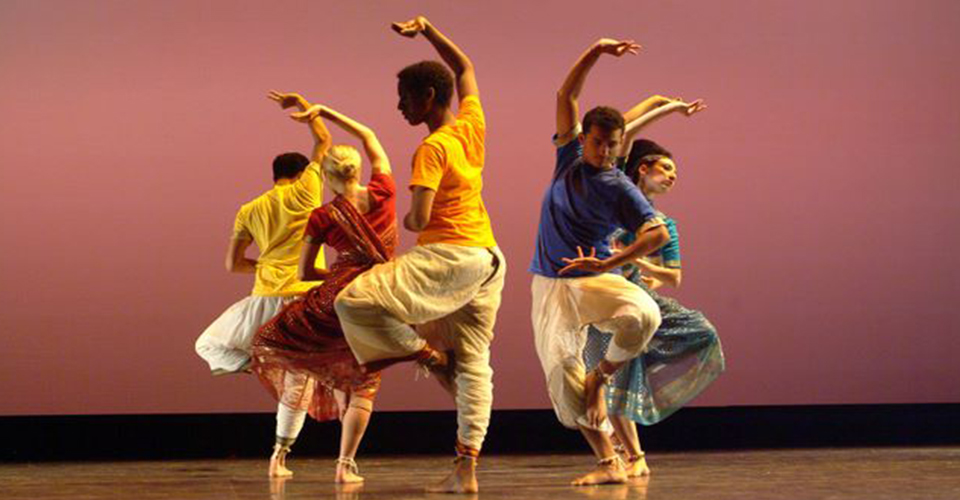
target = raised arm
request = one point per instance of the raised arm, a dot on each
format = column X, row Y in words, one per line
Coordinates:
column 451, row 54
column 321, row 136
column 379, row 163
column 656, row 113
column 569, row 93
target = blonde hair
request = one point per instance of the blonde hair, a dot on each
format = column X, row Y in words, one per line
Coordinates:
column 341, row 165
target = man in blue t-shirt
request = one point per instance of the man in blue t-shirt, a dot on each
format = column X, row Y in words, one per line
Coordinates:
column 587, row 200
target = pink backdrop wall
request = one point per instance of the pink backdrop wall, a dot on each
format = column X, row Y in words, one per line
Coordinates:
column 817, row 199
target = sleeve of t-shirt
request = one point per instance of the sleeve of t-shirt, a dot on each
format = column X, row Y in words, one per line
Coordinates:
column 240, row 230
column 428, row 164
column 635, row 212
column 569, row 151
column 308, row 188
column 471, row 113
column 381, row 188
column 670, row 253
column 317, row 226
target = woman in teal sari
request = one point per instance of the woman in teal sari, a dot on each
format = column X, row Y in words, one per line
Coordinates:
column 684, row 356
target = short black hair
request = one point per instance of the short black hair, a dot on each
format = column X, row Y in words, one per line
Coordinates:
column 418, row 78
column 604, row 117
column 643, row 152
column 288, row 165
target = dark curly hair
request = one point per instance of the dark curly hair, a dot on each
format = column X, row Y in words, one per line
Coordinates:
column 418, row 78
column 643, row 152
column 288, row 165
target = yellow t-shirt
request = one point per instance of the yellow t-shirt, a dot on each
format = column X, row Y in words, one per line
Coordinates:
column 450, row 162
column 275, row 221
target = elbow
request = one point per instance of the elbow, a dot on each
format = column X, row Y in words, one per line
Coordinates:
column 662, row 237
column 676, row 281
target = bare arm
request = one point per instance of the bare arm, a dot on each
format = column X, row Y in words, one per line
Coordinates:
column 634, row 126
column 307, row 269
column 667, row 275
column 379, row 162
column 647, row 241
column 451, row 54
column 321, row 136
column 421, row 206
column 237, row 261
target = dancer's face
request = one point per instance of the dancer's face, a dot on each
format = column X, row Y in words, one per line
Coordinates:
column 413, row 109
column 600, row 147
column 658, row 178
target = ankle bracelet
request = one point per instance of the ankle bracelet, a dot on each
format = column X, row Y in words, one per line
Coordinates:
column 349, row 464
column 611, row 460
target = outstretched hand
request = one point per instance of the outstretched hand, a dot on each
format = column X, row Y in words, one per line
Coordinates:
column 589, row 263
column 410, row 28
column 285, row 99
column 694, row 107
column 617, row 47
column 308, row 114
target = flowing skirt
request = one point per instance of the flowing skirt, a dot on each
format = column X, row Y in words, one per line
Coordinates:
column 301, row 355
column 682, row 359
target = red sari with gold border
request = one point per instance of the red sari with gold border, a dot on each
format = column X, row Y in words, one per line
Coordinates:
column 301, row 355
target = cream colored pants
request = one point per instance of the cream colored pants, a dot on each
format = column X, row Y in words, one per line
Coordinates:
column 561, row 311
column 452, row 294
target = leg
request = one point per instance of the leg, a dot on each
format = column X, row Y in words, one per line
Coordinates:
column 354, row 426
column 609, row 467
column 289, row 424
column 626, row 431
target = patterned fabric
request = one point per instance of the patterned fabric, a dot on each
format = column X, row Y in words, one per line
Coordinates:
column 305, row 339
column 682, row 359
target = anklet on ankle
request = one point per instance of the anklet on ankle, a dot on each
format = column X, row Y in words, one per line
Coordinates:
column 635, row 458
column 349, row 464
column 604, row 378
column 611, row 460
column 465, row 452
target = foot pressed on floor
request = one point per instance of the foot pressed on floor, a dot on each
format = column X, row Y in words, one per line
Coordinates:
column 608, row 471
column 347, row 471
column 637, row 466
column 278, row 462
column 463, row 479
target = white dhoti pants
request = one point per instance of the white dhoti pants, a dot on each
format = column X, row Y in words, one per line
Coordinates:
column 452, row 293
column 562, row 310
column 225, row 344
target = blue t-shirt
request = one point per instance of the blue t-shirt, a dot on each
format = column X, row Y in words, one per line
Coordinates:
column 582, row 207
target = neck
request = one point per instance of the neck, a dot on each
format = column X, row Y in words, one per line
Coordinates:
column 439, row 118
column 350, row 191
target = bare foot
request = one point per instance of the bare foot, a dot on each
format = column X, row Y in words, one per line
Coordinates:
column 347, row 472
column 603, row 474
column 637, row 467
column 596, row 402
column 463, row 479
column 278, row 463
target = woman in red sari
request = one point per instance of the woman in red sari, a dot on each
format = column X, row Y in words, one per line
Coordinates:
column 301, row 355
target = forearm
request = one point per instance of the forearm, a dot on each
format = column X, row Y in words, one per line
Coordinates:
column 321, row 139
column 644, row 107
column 413, row 223
column 448, row 51
column 669, row 276
column 634, row 126
column 573, row 85
column 371, row 144
column 313, row 273
column 646, row 243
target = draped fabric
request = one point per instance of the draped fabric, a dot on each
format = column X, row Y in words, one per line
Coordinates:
column 682, row 359
column 301, row 356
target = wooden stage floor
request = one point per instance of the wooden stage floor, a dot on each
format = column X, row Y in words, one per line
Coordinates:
column 836, row 474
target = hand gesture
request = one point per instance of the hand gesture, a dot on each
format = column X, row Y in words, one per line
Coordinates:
column 410, row 28
column 617, row 47
column 589, row 263
column 692, row 108
column 285, row 99
column 307, row 115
